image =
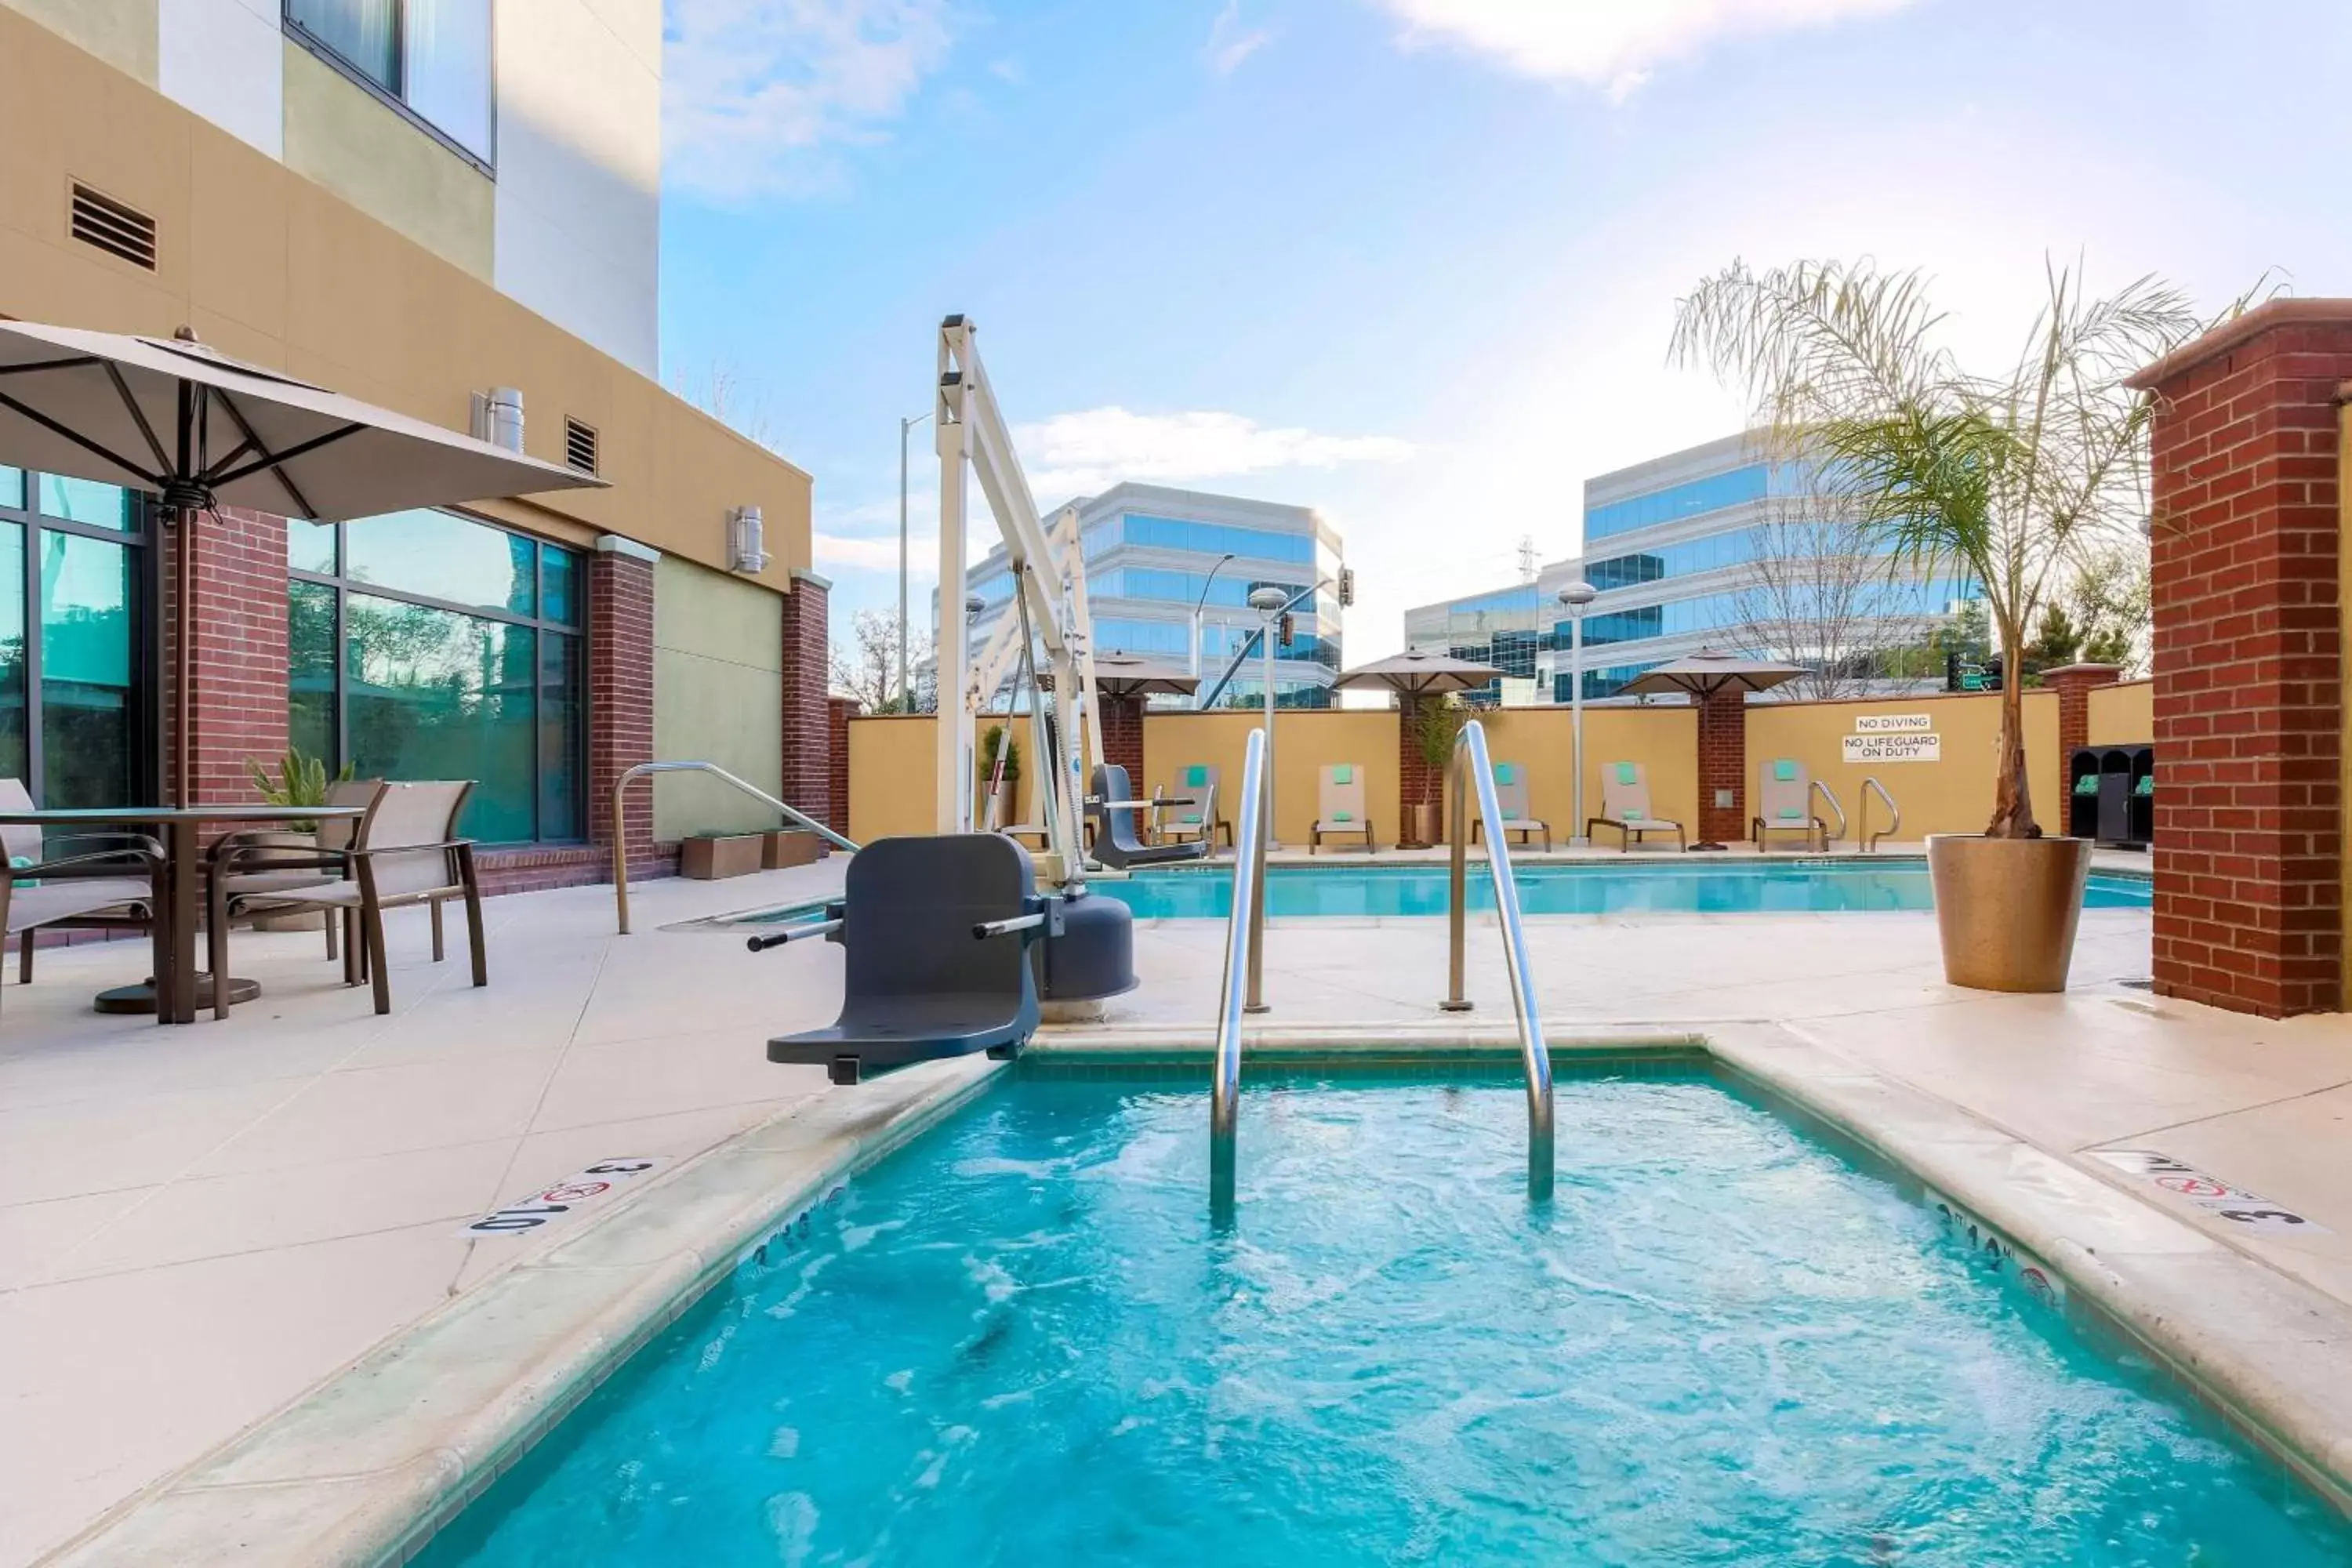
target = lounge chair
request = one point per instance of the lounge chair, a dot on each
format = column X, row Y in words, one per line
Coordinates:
column 923, row 977
column 1189, row 809
column 1626, row 807
column 1111, row 808
column 1511, row 800
column 404, row 851
column 245, row 872
column 1339, row 806
column 119, row 888
column 1784, row 804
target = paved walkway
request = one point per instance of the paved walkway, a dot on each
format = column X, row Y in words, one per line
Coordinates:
column 196, row 1224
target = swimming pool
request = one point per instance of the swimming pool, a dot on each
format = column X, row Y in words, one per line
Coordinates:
column 1021, row 1340
column 1644, row 887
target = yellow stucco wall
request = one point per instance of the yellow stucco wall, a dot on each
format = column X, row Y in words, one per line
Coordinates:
column 2123, row 714
column 1304, row 741
column 1664, row 739
column 718, row 695
column 122, row 33
column 891, row 764
column 1953, row 796
column 275, row 267
column 339, row 135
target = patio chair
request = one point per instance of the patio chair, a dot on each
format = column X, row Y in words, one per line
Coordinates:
column 1511, row 800
column 1191, row 808
column 404, row 851
column 1784, row 804
column 115, row 889
column 1626, row 807
column 1111, row 809
column 244, row 870
column 1339, row 806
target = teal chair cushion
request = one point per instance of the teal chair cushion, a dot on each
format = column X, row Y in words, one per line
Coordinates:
column 1196, row 777
column 1343, row 773
column 1342, row 816
column 1625, row 772
column 1784, row 770
column 1507, row 773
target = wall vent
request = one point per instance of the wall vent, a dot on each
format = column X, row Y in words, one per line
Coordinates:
column 117, row 230
column 580, row 445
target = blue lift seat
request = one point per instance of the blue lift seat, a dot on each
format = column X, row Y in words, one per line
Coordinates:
column 1116, row 844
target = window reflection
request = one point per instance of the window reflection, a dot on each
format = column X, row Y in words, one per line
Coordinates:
column 432, row 694
column 11, row 488
column 86, row 730
column 84, row 501
column 16, row 753
column 439, row 555
column 310, row 546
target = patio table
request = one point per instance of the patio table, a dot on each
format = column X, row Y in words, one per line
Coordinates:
column 174, row 994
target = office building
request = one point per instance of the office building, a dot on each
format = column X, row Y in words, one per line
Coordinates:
column 1152, row 555
column 397, row 200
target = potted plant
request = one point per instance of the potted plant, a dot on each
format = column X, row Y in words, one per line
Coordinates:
column 300, row 780
column 1002, row 793
column 710, row 857
column 1435, row 723
column 2013, row 480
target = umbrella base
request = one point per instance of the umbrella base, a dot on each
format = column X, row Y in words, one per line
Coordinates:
column 140, row 998
column 1698, row 847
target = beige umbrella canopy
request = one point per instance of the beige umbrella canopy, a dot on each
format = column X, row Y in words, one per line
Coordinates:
column 199, row 429
column 1127, row 675
column 1417, row 672
column 1708, row 671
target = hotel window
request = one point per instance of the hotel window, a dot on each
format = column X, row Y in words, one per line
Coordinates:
column 431, row 58
column 76, row 723
column 462, row 657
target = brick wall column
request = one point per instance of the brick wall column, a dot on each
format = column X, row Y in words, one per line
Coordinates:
column 838, row 712
column 807, row 665
column 2074, row 683
column 621, row 694
column 1723, row 766
column 238, row 676
column 1122, row 738
column 2248, row 644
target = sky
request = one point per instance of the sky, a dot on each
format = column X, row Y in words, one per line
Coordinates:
column 1414, row 262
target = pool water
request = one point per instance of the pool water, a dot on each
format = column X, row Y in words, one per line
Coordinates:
column 1707, row 887
column 1021, row 1340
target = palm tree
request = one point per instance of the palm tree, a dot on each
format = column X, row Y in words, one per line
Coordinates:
column 2017, row 478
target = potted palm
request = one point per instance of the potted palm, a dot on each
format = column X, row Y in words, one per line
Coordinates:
column 1436, row 722
column 2013, row 480
column 298, row 781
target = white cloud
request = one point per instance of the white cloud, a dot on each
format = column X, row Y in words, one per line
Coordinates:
column 1078, row 454
column 1230, row 43
column 840, row 552
column 755, row 93
column 1614, row 45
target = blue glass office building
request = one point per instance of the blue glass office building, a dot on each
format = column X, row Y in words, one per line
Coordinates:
column 1674, row 545
column 1151, row 551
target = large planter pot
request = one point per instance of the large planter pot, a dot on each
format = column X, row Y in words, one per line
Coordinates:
column 711, row 856
column 786, row 847
column 1421, row 829
column 2006, row 908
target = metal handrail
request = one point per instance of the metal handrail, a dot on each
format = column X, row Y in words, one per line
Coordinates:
column 1470, row 747
column 1862, row 832
column 1833, row 799
column 1244, row 940
column 620, row 842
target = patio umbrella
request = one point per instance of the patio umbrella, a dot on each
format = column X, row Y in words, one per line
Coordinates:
column 200, row 429
column 1703, row 675
column 1128, row 675
column 1417, row 672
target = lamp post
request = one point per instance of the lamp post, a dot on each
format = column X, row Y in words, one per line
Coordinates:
column 1203, row 599
column 1268, row 602
column 906, row 693
column 1576, row 596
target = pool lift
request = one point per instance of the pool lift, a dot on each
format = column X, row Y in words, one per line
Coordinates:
column 927, row 918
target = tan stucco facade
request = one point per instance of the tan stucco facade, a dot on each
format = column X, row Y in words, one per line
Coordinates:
column 274, row 267
column 122, row 33
column 1663, row 741
column 1304, row 740
column 718, row 697
column 893, row 774
column 1952, row 795
column 2123, row 714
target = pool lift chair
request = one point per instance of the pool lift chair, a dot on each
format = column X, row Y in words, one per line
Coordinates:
column 1112, row 810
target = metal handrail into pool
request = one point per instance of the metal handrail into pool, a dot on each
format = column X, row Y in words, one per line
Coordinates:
column 1865, row 840
column 1830, row 795
column 620, row 842
column 1245, row 937
column 1470, row 748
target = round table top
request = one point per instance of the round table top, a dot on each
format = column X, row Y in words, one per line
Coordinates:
column 226, row 812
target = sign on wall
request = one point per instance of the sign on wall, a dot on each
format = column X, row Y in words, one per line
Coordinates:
column 1904, row 748
column 1893, row 723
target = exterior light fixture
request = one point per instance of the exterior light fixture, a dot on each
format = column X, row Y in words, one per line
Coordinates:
column 747, row 543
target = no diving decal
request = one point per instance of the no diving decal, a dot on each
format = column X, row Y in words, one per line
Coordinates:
column 2247, row 1211
column 566, row 1196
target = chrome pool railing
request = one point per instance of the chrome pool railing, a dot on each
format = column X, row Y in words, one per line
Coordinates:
column 1245, row 943
column 620, row 844
column 1824, row 792
column 1864, row 837
column 1470, row 755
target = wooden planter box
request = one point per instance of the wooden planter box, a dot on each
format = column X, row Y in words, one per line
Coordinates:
column 710, row 859
column 789, row 847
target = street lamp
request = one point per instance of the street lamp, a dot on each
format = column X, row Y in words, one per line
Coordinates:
column 906, row 693
column 1268, row 601
column 1203, row 599
column 1576, row 596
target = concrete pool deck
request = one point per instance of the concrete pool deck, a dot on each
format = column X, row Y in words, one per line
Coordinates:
column 197, row 1226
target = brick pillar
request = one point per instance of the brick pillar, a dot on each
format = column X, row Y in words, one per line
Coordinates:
column 1723, row 766
column 1122, row 738
column 238, row 677
column 838, row 712
column 2074, row 683
column 2248, row 698
column 807, row 663
column 621, row 694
